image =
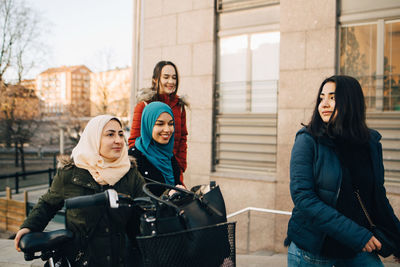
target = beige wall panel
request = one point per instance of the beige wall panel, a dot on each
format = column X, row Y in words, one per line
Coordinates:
column 305, row 15
column 150, row 58
column 188, row 119
column 394, row 200
column 153, row 8
column 292, row 50
column 181, row 55
column 283, row 163
column 175, row 6
column 185, row 84
column 195, row 26
column 199, row 91
column 295, row 91
column 202, row 57
column 241, row 232
column 200, row 157
column 283, row 200
column 298, row 89
column 160, row 31
column 243, row 193
column 262, row 231
column 200, row 130
column 320, row 48
column 195, row 179
column 288, row 125
column 281, row 222
column 199, row 4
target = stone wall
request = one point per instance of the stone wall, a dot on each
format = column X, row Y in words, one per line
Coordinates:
column 307, row 56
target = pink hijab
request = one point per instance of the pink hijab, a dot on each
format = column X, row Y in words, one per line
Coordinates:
column 86, row 154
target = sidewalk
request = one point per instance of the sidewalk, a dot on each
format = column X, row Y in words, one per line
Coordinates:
column 9, row 257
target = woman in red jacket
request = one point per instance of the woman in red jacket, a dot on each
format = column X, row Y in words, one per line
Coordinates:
column 164, row 88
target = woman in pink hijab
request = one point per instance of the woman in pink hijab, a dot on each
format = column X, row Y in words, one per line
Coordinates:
column 99, row 162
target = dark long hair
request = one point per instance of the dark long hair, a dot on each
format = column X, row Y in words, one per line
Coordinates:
column 155, row 82
column 349, row 122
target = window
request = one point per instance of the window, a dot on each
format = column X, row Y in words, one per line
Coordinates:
column 246, row 102
column 245, row 99
column 249, row 73
column 378, row 70
column 370, row 51
column 392, row 66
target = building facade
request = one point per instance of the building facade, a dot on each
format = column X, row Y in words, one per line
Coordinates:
column 251, row 70
column 65, row 89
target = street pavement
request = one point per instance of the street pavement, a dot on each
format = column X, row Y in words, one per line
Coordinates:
column 9, row 257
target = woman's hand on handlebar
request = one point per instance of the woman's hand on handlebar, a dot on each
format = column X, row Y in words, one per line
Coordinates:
column 18, row 236
column 171, row 192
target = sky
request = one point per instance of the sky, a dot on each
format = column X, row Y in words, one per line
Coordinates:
column 85, row 32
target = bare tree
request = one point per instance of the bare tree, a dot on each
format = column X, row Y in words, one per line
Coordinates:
column 19, row 118
column 110, row 91
column 20, row 46
column 19, row 49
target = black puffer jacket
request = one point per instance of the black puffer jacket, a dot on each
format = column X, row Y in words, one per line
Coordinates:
column 149, row 171
column 99, row 231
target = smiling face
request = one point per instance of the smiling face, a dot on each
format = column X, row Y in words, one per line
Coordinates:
column 163, row 129
column 327, row 101
column 112, row 141
column 167, row 81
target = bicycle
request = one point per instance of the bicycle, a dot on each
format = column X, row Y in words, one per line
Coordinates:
column 167, row 249
column 49, row 244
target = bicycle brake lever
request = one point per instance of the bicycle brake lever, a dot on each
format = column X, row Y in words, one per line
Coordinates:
column 113, row 198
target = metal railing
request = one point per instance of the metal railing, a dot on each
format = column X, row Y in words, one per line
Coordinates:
column 17, row 175
column 248, row 210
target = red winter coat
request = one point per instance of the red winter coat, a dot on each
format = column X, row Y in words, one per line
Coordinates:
column 177, row 105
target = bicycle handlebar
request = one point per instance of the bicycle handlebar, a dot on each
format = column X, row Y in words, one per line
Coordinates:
column 106, row 198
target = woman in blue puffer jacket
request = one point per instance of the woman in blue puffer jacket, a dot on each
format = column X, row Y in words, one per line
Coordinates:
column 335, row 156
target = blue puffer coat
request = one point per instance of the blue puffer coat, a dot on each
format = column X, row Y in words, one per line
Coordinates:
column 315, row 180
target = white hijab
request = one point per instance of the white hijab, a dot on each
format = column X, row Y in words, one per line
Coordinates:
column 86, row 154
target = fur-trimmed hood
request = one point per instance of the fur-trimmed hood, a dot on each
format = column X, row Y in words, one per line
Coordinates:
column 66, row 162
column 147, row 94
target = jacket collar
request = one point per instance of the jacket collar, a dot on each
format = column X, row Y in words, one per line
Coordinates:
column 374, row 138
column 147, row 94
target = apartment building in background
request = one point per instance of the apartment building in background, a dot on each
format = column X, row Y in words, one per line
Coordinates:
column 110, row 92
column 30, row 84
column 64, row 90
column 251, row 70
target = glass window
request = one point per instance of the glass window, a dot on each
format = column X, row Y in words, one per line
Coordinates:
column 358, row 57
column 249, row 73
column 391, row 91
column 232, row 66
column 377, row 71
column 265, row 72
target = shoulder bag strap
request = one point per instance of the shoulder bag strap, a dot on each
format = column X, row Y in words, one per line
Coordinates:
column 364, row 209
column 168, row 203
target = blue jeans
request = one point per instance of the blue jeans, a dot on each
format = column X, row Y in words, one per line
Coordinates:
column 298, row 257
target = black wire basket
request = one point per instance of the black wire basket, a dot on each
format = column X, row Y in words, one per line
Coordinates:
column 206, row 246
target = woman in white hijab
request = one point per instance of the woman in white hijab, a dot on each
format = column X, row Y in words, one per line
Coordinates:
column 99, row 162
